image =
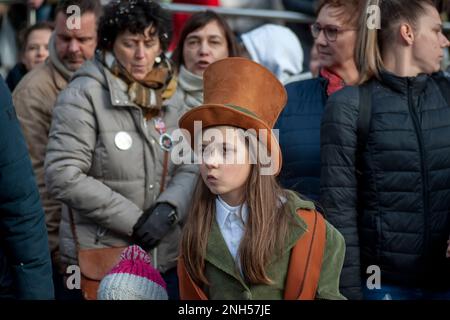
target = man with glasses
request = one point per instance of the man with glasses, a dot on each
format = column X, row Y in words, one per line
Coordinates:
column 335, row 37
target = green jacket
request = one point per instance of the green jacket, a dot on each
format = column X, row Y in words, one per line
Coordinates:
column 227, row 283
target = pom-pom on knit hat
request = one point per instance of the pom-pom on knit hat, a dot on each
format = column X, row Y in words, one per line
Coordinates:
column 133, row 278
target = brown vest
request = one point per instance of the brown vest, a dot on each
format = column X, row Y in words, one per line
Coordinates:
column 304, row 266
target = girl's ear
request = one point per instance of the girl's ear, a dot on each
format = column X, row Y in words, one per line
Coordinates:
column 407, row 34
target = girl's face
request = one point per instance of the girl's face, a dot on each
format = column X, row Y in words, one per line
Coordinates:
column 430, row 42
column 225, row 165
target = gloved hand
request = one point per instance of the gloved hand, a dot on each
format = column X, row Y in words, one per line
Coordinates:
column 153, row 225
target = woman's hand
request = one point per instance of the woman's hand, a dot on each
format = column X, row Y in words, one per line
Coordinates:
column 154, row 224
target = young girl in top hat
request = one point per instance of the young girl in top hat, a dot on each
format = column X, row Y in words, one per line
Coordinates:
column 245, row 237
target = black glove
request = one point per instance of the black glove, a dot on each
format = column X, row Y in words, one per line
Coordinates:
column 153, row 225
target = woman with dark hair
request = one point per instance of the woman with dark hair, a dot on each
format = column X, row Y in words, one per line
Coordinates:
column 108, row 151
column 385, row 174
column 206, row 38
column 34, row 50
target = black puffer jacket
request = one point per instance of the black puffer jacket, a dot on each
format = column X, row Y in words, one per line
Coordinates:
column 400, row 218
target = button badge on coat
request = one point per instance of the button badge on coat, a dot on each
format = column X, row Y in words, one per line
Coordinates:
column 165, row 141
column 123, row 140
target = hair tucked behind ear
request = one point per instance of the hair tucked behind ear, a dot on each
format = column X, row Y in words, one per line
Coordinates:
column 372, row 42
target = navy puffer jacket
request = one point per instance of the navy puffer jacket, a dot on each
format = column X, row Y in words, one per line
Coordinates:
column 25, row 265
column 400, row 218
column 299, row 136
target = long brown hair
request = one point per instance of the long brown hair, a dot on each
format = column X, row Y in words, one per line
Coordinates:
column 265, row 231
column 373, row 42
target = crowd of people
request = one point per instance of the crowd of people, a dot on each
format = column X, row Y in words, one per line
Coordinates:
column 356, row 141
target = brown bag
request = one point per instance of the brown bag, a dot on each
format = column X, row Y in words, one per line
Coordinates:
column 94, row 265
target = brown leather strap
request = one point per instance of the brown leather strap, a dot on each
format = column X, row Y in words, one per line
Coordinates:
column 150, row 114
column 304, row 268
column 306, row 259
column 74, row 230
column 164, row 172
column 188, row 289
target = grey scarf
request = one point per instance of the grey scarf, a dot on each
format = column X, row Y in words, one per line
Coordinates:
column 53, row 56
column 192, row 87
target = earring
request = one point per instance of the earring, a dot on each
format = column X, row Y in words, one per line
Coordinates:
column 158, row 59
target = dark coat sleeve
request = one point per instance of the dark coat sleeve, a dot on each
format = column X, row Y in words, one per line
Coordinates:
column 299, row 137
column 338, row 184
column 23, row 234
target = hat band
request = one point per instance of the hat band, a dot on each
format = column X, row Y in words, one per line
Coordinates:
column 242, row 109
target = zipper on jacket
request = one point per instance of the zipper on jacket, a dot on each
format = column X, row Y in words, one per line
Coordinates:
column 418, row 130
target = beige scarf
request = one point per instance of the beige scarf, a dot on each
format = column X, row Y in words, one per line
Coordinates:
column 159, row 84
column 53, row 56
column 192, row 87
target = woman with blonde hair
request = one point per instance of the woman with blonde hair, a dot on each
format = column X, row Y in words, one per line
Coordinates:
column 385, row 169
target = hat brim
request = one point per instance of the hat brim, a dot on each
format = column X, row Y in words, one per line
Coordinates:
column 212, row 115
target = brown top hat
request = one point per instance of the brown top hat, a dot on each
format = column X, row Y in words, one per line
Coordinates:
column 240, row 93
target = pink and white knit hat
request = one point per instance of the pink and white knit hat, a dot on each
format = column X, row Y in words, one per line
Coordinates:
column 133, row 278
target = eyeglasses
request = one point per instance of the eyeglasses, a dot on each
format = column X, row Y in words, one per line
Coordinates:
column 331, row 32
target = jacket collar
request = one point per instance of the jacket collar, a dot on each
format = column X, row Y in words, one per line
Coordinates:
column 335, row 82
column 118, row 89
column 58, row 79
column 217, row 252
column 401, row 84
